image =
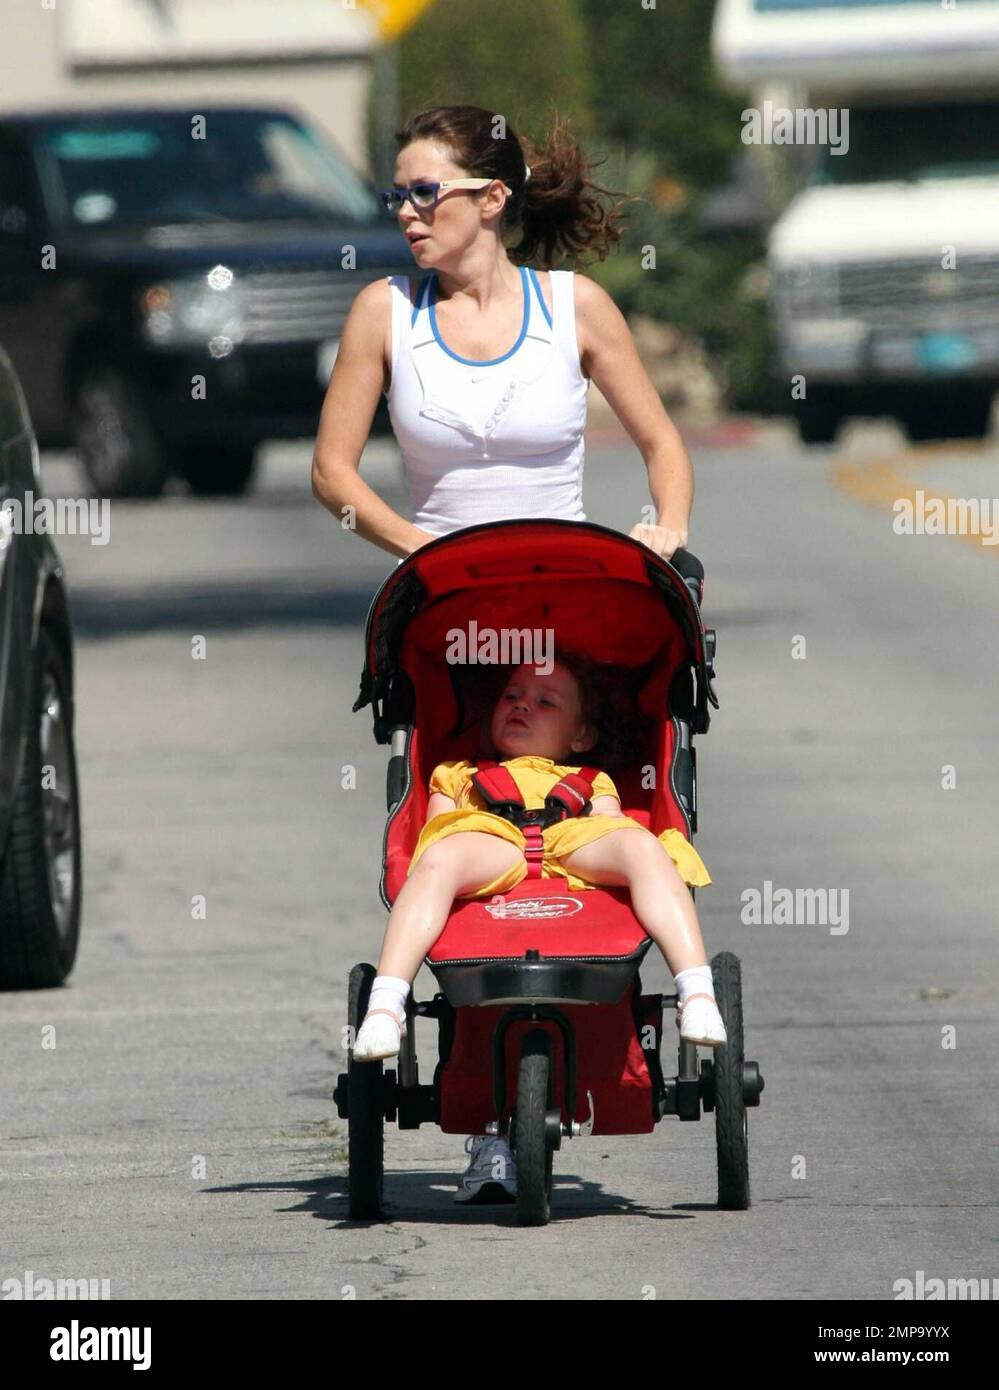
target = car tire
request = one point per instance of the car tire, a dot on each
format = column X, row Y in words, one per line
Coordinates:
column 219, row 470
column 40, row 873
column 115, row 438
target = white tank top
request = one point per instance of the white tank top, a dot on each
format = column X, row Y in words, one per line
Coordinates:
column 490, row 440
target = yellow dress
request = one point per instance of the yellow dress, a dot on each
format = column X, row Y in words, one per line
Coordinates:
column 535, row 778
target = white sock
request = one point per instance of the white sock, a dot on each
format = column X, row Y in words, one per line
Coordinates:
column 389, row 992
column 695, row 980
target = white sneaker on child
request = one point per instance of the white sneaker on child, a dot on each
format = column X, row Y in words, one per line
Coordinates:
column 700, row 1022
column 380, row 1035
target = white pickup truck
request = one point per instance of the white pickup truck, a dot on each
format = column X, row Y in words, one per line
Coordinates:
column 885, row 267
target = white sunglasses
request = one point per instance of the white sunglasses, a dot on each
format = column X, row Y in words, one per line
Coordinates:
column 427, row 195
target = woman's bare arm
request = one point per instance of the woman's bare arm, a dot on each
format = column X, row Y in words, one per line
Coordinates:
column 609, row 357
column 345, row 423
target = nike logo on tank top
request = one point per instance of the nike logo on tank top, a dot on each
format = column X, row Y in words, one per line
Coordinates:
column 490, row 440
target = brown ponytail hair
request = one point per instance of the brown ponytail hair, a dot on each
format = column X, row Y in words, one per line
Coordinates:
column 558, row 209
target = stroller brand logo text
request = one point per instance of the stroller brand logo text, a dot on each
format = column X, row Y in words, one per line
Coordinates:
column 797, row 907
column 533, row 907
column 503, row 646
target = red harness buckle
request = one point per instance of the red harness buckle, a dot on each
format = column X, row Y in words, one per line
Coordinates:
column 534, row 849
column 569, row 797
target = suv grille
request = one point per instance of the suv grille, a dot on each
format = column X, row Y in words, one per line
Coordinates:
column 299, row 306
column 907, row 292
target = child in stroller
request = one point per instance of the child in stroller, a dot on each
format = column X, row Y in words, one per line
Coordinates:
column 540, row 725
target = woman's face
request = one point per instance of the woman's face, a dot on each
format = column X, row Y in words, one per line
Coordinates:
column 443, row 232
column 540, row 714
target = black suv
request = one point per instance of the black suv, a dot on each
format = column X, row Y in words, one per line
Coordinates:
column 39, row 804
column 174, row 283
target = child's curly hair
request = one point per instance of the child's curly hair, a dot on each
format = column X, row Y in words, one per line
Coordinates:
column 609, row 698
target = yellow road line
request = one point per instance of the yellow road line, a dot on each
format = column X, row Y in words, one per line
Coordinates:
column 879, row 484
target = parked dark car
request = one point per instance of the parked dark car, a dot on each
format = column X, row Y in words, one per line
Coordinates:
column 40, row 879
column 174, row 283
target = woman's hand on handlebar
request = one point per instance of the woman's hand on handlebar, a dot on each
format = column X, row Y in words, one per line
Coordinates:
column 662, row 539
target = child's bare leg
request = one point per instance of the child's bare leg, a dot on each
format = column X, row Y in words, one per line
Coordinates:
column 458, row 864
column 662, row 903
column 636, row 860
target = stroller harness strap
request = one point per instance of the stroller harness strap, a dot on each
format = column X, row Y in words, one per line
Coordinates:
column 569, row 797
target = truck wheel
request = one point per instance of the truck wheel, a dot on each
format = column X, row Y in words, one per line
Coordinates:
column 963, row 415
column 819, row 418
column 120, row 452
column 219, row 470
column 40, row 874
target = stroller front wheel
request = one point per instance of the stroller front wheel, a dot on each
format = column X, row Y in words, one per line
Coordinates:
column 531, row 1139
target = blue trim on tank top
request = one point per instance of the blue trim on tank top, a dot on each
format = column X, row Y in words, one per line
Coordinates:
column 425, row 284
column 419, row 301
column 534, row 281
column 541, row 299
column 482, row 361
column 421, row 298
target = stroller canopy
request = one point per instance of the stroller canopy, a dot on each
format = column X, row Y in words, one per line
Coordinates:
column 603, row 594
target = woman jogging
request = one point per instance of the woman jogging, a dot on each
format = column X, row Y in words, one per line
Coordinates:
column 486, row 364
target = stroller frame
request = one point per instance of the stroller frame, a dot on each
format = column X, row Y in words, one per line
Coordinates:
column 522, row 1019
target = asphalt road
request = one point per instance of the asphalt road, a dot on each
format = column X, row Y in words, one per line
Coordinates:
column 179, row 1139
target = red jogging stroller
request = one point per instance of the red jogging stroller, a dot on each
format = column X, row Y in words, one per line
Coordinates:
column 544, row 1032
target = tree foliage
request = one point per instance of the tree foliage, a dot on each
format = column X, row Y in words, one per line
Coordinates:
column 656, row 89
column 636, row 82
column 519, row 58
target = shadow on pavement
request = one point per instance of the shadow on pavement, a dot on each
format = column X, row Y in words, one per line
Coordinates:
column 416, row 1197
column 108, row 612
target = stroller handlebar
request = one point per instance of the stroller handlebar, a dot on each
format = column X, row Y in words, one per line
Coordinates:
column 691, row 571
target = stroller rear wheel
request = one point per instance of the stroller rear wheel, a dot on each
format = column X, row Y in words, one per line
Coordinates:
column 531, row 1135
column 731, row 1126
column 365, row 1124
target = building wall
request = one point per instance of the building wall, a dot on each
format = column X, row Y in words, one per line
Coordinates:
column 61, row 57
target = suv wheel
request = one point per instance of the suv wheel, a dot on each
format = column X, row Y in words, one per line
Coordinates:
column 119, row 449
column 218, row 470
